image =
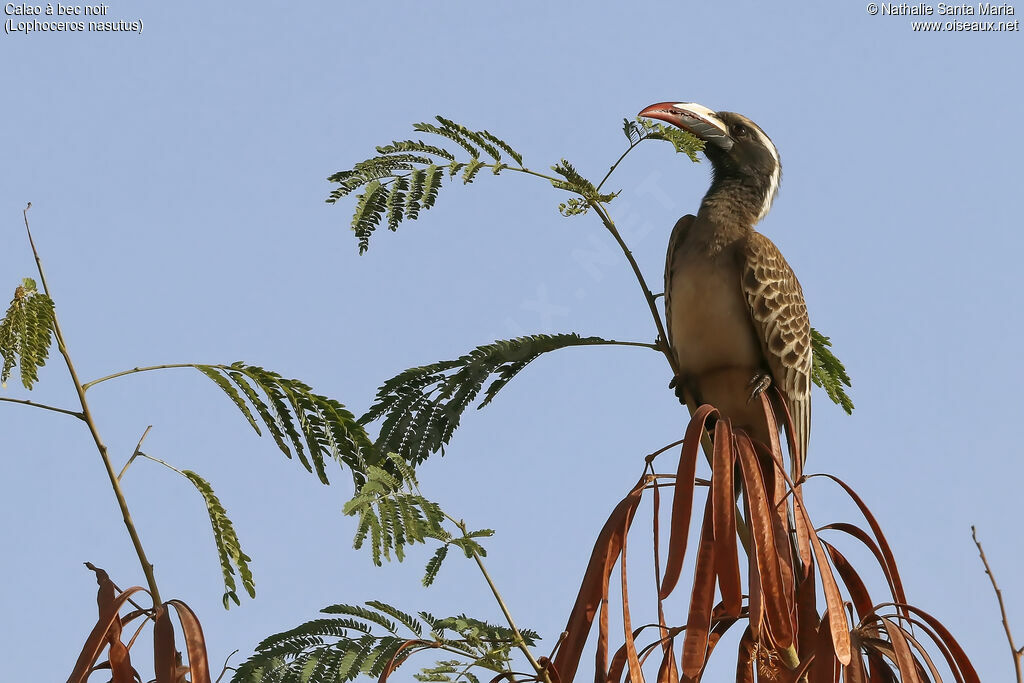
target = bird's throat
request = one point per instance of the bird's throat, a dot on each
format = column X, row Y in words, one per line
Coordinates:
column 733, row 203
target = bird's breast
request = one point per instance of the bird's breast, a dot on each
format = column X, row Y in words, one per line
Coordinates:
column 708, row 317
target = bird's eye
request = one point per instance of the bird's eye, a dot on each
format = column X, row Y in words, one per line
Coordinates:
column 739, row 130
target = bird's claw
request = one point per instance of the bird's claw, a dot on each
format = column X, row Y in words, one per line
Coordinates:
column 679, row 383
column 759, row 383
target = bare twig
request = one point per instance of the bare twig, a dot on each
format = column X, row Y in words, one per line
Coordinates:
column 43, row 406
column 136, row 453
column 162, row 462
column 226, row 668
column 140, row 369
column 147, row 567
column 1018, row 653
column 609, row 225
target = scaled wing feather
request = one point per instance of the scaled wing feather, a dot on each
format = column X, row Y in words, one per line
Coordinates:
column 779, row 314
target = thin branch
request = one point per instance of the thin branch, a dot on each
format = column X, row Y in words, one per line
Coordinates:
column 520, row 641
column 1018, row 654
column 225, row 668
column 610, row 342
column 44, row 407
column 611, row 170
column 609, row 224
column 140, row 369
column 561, row 636
column 136, row 453
column 147, row 567
column 661, row 450
column 165, row 464
column 529, row 172
column 137, row 633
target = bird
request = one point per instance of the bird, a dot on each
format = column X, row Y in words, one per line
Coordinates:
column 736, row 316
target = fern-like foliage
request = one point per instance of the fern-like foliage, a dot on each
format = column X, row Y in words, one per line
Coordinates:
column 26, row 332
column 406, row 176
column 828, row 372
column 640, row 129
column 394, row 514
column 311, row 426
column 574, row 182
column 229, row 550
column 422, row 407
column 356, row 640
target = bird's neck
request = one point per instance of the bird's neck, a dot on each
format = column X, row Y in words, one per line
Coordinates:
column 733, row 205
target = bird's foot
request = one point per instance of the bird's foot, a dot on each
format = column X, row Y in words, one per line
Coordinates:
column 758, row 384
column 680, row 383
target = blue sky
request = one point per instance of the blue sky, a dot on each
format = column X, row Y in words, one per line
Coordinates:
column 177, row 180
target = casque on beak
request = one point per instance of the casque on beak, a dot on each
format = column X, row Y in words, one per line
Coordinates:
column 694, row 118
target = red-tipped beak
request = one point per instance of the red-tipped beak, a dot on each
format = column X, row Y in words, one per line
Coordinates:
column 692, row 117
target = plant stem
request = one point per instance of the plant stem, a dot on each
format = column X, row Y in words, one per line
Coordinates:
column 147, row 567
column 533, row 173
column 140, row 369
column 609, row 224
column 148, row 368
column 610, row 342
column 136, row 453
column 520, row 642
column 43, row 406
column 616, row 164
column 1018, row 654
column 164, row 463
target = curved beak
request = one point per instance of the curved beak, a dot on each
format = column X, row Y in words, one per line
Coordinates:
column 694, row 118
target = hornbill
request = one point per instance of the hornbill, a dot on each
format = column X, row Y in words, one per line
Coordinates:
column 737, row 320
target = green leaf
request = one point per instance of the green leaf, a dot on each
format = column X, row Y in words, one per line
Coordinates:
column 326, row 650
column 222, row 381
column 445, row 132
column 434, row 565
column 310, row 426
column 416, row 146
column 480, row 533
column 641, row 129
column 26, row 332
column 406, row 620
column 229, row 550
column 574, row 182
column 431, row 185
column 367, row 615
column 504, row 146
column 828, row 372
column 323, row 650
column 406, row 176
column 473, row 136
column 469, row 547
column 396, row 202
column 575, row 206
column 421, row 407
column 393, row 513
column 370, row 206
column 632, row 131
column 412, row 200
column 573, row 179
column 471, row 170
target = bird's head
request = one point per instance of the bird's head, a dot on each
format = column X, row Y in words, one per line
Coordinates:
column 736, row 146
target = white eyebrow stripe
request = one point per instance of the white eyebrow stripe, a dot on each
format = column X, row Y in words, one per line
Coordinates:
column 773, row 182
